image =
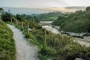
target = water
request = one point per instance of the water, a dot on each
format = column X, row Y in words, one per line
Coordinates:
column 25, row 51
column 79, row 59
column 51, row 29
column 85, row 41
column 46, row 22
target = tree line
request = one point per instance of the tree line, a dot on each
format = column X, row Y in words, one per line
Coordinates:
column 78, row 21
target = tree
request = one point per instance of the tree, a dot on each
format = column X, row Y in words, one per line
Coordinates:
column 19, row 17
column 88, row 8
column 59, row 21
column 1, row 10
column 32, row 23
column 36, row 19
column 6, row 16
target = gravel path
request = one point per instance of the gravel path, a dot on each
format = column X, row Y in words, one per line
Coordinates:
column 25, row 51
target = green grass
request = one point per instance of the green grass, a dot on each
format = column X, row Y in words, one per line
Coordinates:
column 58, row 46
column 42, row 57
column 50, row 18
column 7, row 44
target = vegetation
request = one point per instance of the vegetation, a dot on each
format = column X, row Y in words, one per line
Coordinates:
column 56, row 46
column 20, row 18
column 1, row 10
column 51, row 45
column 48, row 16
column 7, row 17
column 7, row 44
column 24, row 17
column 59, row 20
column 75, row 22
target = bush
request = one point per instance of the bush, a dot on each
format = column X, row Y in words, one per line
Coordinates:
column 60, row 47
column 27, row 35
column 47, row 51
column 42, row 57
column 38, row 27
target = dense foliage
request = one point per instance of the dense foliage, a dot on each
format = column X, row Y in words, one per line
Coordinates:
column 78, row 21
column 59, row 21
column 7, row 44
column 7, row 17
column 24, row 17
column 56, row 46
column 48, row 16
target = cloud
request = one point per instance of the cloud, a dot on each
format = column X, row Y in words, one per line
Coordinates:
column 76, row 7
column 78, row 2
column 45, row 3
column 62, row 9
column 67, row 9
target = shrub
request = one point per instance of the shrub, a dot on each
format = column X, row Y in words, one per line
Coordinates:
column 47, row 51
column 42, row 57
column 38, row 27
column 27, row 35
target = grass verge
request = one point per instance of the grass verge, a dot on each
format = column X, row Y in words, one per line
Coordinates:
column 7, row 44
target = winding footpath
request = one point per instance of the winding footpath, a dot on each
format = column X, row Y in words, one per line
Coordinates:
column 25, row 51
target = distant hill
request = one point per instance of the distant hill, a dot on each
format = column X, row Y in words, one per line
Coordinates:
column 44, row 13
column 49, row 16
column 22, row 10
column 27, row 11
column 77, row 7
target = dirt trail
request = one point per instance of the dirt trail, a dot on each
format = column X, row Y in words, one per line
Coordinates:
column 25, row 51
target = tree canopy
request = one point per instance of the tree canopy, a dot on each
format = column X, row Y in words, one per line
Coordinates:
column 1, row 9
column 88, row 9
column 78, row 21
column 6, row 16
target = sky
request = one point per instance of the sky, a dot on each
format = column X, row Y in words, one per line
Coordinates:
column 43, row 3
column 49, row 5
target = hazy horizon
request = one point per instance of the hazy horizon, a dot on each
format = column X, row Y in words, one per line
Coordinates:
column 43, row 3
column 43, row 6
column 24, row 10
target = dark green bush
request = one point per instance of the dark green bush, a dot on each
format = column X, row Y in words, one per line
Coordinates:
column 38, row 27
column 47, row 51
column 27, row 35
column 42, row 57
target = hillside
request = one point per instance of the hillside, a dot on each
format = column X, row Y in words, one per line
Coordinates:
column 78, row 21
column 49, row 16
column 7, row 45
column 59, row 20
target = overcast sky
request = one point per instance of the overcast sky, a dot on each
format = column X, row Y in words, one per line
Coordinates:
column 43, row 3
